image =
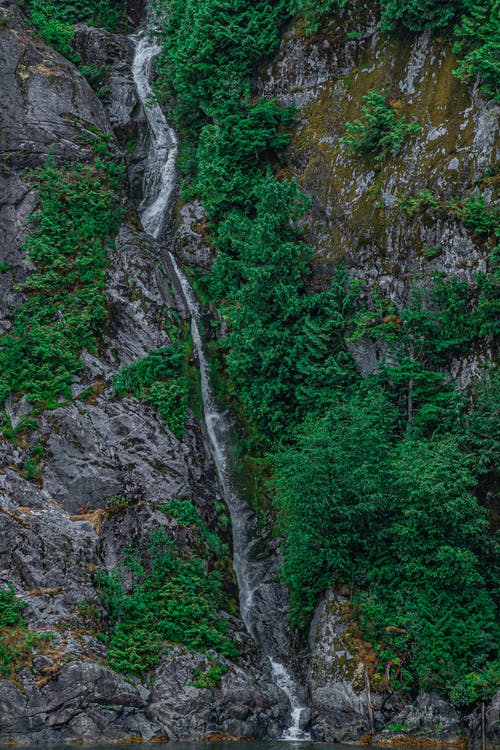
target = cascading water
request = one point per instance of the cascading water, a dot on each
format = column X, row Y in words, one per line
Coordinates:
column 159, row 173
column 260, row 603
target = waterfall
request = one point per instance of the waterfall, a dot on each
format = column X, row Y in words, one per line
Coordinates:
column 159, row 173
column 261, row 600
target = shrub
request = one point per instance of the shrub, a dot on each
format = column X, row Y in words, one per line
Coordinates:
column 380, row 131
column 160, row 379
column 211, row 678
column 10, row 607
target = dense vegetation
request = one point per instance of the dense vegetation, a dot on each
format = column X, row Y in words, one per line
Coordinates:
column 64, row 305
column 55, row 18
column 380, row 131
column 173, row 598
column 377, row 481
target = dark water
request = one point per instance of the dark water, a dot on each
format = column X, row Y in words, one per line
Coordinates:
column 243, row 745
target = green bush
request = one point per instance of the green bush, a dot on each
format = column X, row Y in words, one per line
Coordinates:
column 174, row 599
column 160, row 379
column 397, row 520
column 211, row 678
column 478, row 44
column 55, row 18
column 380, row 131
column 313, row 11
column 417, row 15
column 183, row 511
column 10, row 608
column 18, row 644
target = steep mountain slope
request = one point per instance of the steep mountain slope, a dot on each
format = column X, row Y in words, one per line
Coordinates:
column 118, row 604
column 86, row 484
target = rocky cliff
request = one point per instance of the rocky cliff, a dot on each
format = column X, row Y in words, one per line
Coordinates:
column 111, row 465
column 58, row 528
column 355, row 217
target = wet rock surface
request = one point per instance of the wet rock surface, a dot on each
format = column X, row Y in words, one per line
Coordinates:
column 57, row 528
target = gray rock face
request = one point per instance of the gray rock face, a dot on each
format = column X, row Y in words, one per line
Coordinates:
column 355, row 216
column 83, row 702
column 47, row 103
column 103, row 449
column 57, row 529
column 113, row 53
column 189, row 243
column 431, row 716
column 244, row 703
column 336, row 677
column 46, row 555
column 491, row 724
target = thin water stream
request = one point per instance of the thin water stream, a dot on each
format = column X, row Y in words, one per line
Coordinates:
column 261, row 601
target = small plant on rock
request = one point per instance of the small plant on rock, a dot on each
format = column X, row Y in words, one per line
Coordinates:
column 380, row 131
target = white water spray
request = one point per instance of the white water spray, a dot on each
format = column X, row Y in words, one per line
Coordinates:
column 159, row 173
column 255, row 589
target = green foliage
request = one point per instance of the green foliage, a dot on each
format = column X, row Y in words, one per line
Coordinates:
column 17, row 648
column 117, row 504
column 378, row 480
column 17, row 643
column 55, row 19
column 475, row 311
column 183, row 511
column 380, row 131
column 186, row 514
column 229, row 153
column 477, row 686
column 160, row 379
column 208, row 51
column 211, row 678
column 478, row 44
column 64, row 302
column 482, row 434
column 473, row 209
column 173, row 599
column 398, row 519
column 32, row 469
column 313, row 11
column 331, row 492
column 473, row 26
column 417, row 15
column 285, row 347
column 10, row 607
